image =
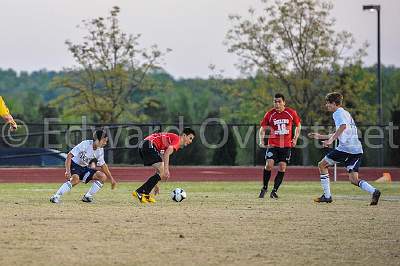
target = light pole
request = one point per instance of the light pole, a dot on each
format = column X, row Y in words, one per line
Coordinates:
column 377, row 8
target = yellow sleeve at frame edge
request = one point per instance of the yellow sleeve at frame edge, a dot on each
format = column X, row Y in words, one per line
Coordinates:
column 3, row 108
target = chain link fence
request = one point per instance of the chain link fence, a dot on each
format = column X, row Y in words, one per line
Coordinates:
column 216, row 142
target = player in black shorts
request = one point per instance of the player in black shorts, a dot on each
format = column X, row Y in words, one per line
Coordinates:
column 280, row 121
column 155, row 151
column 80, row 166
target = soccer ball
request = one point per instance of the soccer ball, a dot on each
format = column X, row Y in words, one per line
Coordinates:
column 178, row 194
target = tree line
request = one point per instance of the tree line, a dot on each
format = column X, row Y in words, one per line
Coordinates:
column 31, row 98
column 288, row 47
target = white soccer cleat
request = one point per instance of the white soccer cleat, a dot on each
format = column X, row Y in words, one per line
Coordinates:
column 55, row 199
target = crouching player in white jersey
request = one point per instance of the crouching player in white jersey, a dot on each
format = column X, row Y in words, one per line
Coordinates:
column 77, row 167
column 349, row 151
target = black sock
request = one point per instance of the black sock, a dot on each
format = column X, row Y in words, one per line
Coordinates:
column 266, row 177
column 149, row 184
column 278, row 180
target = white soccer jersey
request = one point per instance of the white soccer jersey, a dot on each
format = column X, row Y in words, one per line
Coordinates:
column 84, row 153
column 348, row 140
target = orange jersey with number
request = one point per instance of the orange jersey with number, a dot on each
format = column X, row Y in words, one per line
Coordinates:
column 281, row 124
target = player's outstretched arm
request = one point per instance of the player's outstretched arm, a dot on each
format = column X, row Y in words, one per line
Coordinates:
column 68, row 166
column 106, row 170
column 10, row 120
column 315, row 135
column 334, row 136
column 166, row 155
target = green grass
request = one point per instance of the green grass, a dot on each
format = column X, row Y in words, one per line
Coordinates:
column 220, row 223
column 40, row 193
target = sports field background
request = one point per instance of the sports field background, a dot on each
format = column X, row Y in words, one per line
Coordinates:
column 192, row 173
column 221, row 223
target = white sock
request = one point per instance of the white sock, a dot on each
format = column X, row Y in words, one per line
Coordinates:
column 366, row 187
column 66, row 187
column 96, row 186
column 325, row 185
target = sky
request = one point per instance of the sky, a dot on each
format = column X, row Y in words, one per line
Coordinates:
column 33, row 32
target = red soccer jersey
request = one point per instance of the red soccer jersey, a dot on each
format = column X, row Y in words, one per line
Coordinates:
column 163, row 140
column 281, row 124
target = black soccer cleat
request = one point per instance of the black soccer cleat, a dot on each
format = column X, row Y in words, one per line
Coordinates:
column 87, row 199
column 323, row 199
column 375, row 197
column 273, row 194
column 55, row 199
column 262, row 193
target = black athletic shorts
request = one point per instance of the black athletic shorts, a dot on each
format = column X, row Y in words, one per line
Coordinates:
column 149, row 154
column 351, row 161
column 278, row 154
column 85, row 173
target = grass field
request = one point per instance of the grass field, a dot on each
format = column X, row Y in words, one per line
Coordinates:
column 221, row 223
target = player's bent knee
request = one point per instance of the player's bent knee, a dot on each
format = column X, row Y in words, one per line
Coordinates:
column 161, row 173
column 100, row 176
column 268, row 167
column 322, row 164
column 354, row 180
column 282, row 167
column 74, row 180
column 354, row 183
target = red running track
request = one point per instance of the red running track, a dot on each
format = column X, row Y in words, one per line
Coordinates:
column 191, row 173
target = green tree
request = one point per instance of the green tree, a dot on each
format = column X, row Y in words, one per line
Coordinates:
column 248, row 99
column 293, row 41
column 390, row 91
column 111, row 67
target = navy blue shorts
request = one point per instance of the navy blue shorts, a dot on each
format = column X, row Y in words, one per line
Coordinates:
column 351, row 161
column 85, row 173
column 278, row 154
column 149, row 154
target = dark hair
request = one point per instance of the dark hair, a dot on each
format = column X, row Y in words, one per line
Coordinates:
column 99, row 134
column 94, row 160
column 188, row 131
column 279, row 95
column 334, row 97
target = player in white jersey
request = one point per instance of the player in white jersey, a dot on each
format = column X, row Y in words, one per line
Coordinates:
column 349, row 151
column 77, row 167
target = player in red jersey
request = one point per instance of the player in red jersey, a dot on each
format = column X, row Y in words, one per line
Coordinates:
column 280, row 121
column 155, row 151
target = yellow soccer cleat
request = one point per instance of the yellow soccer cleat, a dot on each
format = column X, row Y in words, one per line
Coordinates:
column 150, row 198
column 141, row 197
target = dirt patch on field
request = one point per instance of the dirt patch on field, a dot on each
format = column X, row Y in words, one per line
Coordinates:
column 215, row 226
